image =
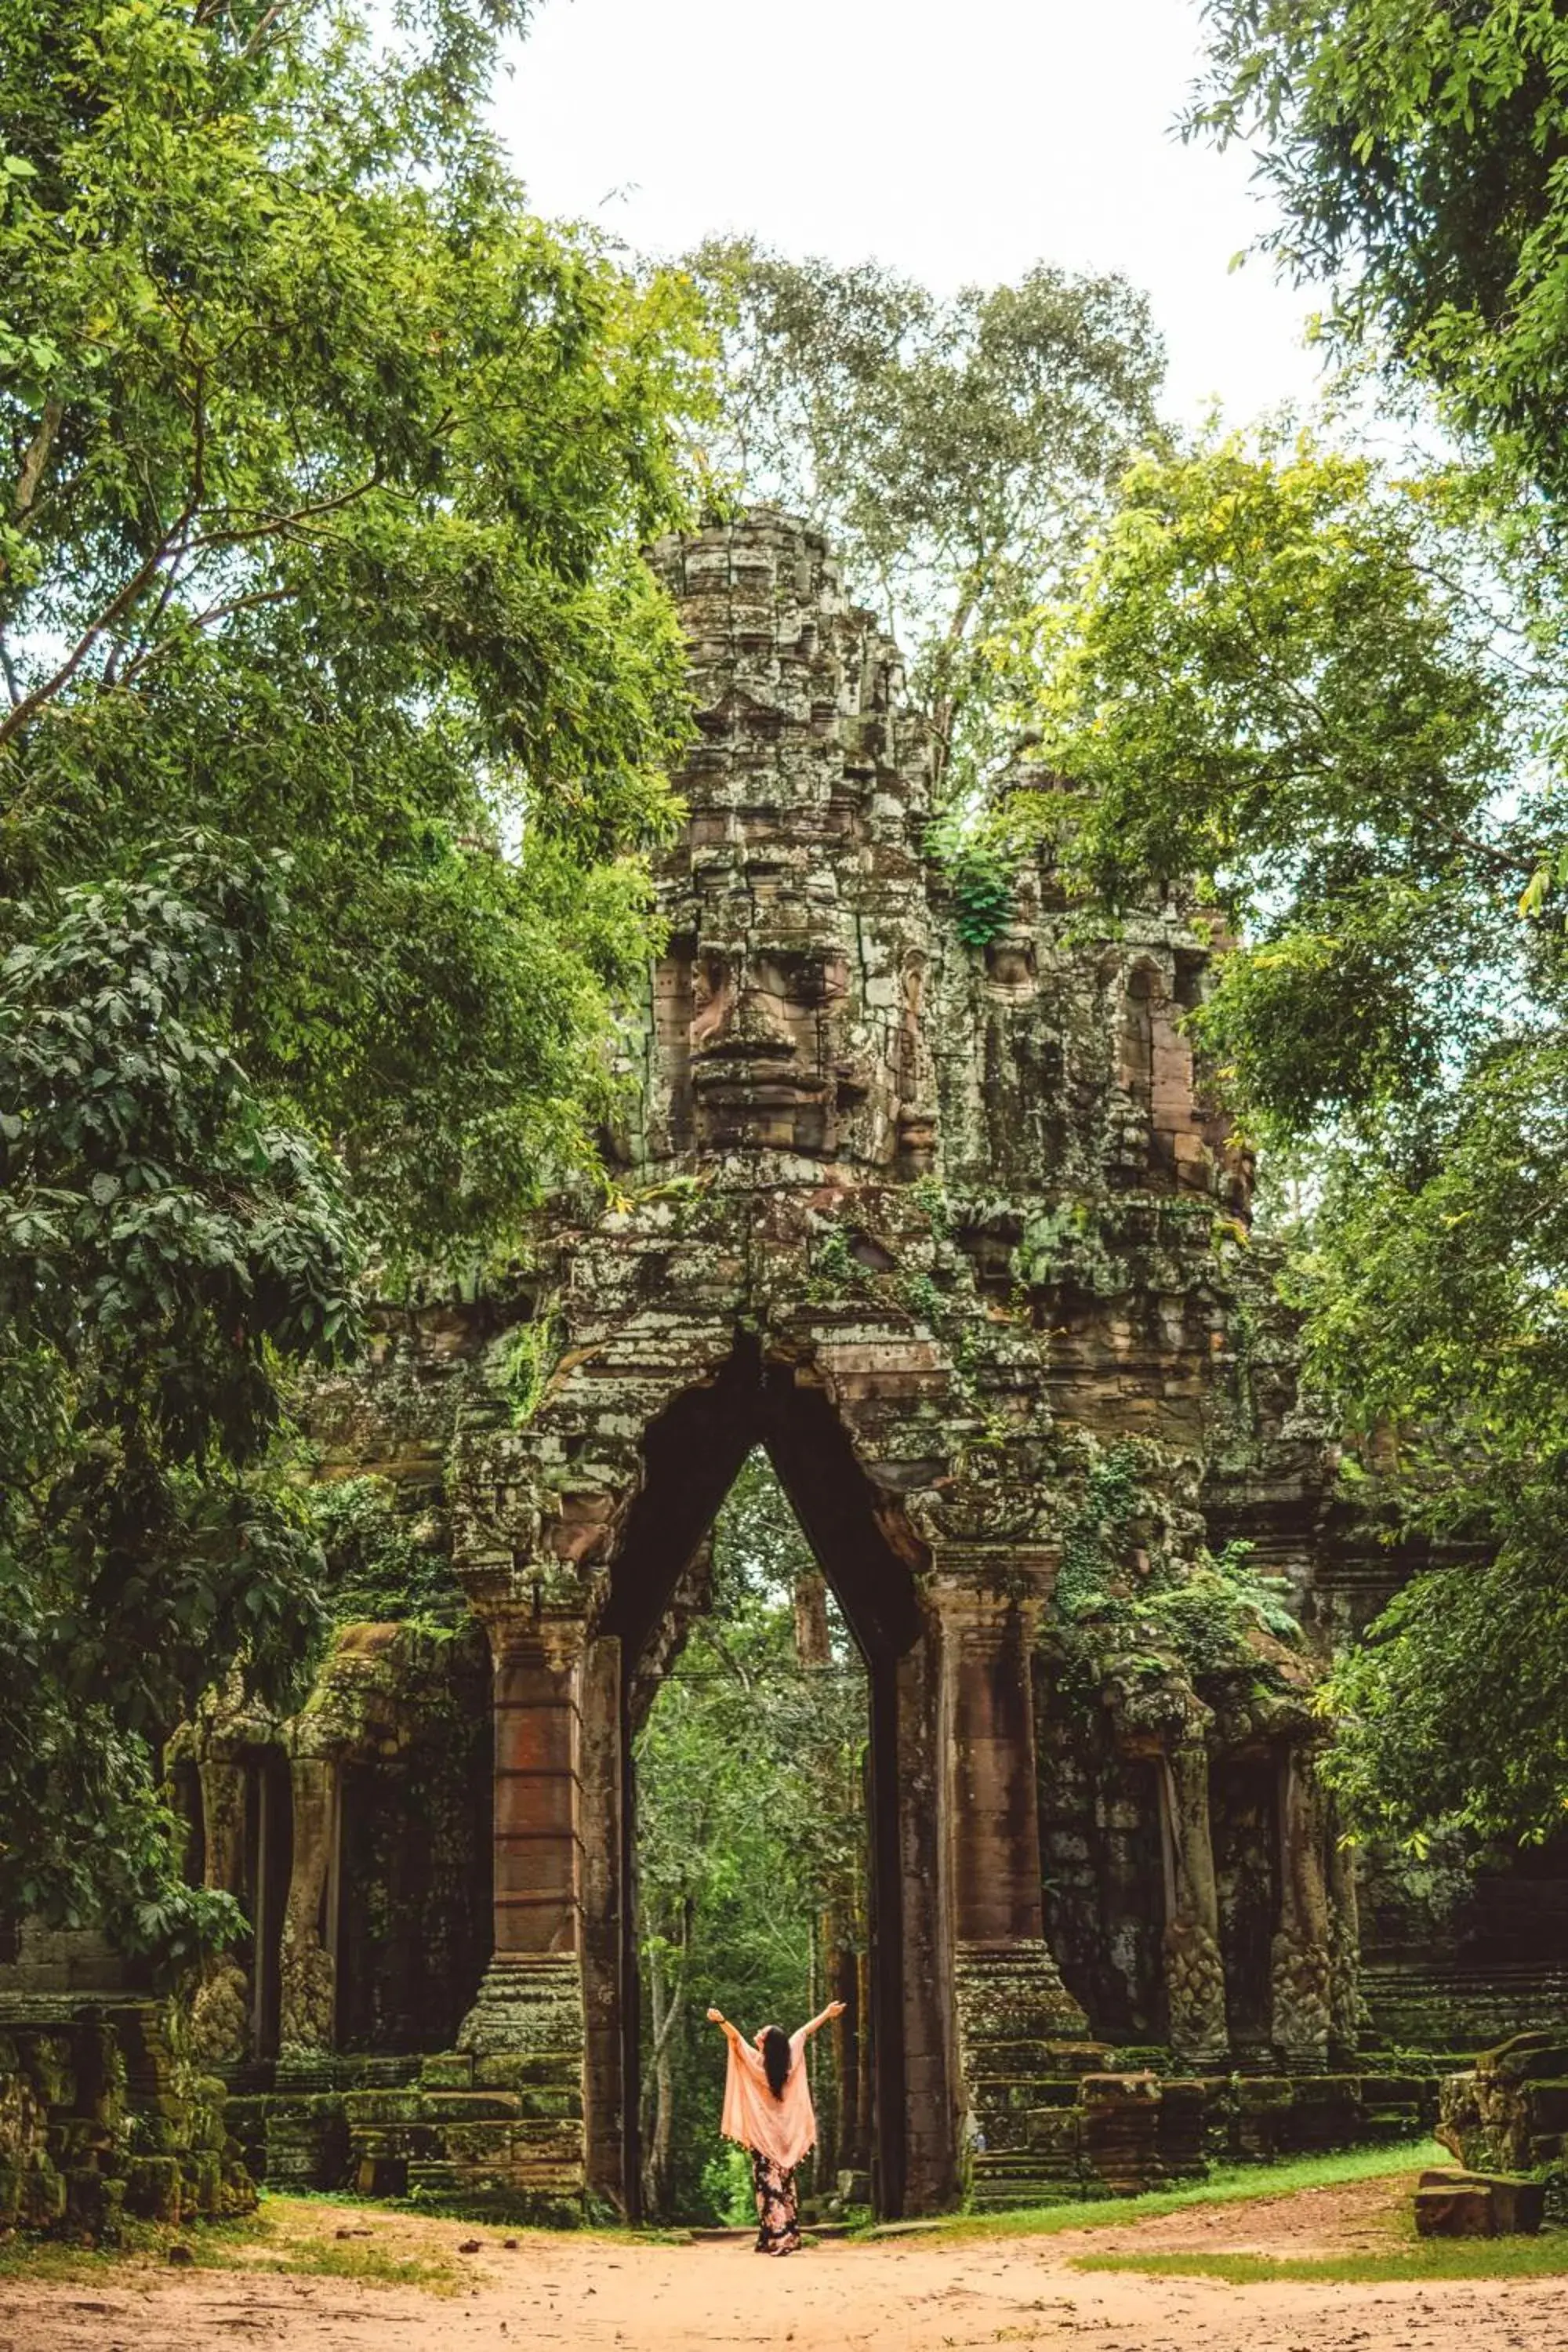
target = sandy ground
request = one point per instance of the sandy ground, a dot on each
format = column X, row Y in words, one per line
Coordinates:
column 896, row 2296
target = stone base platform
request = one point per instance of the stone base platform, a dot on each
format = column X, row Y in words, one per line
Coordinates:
column 499, row 2134
column 1093, row 2130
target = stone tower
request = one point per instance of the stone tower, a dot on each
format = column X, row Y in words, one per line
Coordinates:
column 956, row 1234
column 940, row 1226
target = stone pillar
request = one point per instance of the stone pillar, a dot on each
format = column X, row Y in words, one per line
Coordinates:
column 531, row 2002
column 991, row 1729
column 1194, row 1971
column 307, row 1962
column 1345, row 1945
column 1300, row 1971
column 908, row 1980
column 1011, row 2001
column 604, row 1924
column 220, row 2011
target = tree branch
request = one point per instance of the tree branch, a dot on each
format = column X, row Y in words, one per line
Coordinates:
column 113, row 611
column 279, row 526
column 140, row 580
column 214, row 613
column 36, row 458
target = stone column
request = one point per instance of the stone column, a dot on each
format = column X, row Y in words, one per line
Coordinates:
column 1011, row 2001
column 307, row 1963
column 908, row 1998
column 604, row 1924
column 220, row 2012
column 1300, row 1971
column 1344, row 1944
column 531, row 1995
column 1194, row 1972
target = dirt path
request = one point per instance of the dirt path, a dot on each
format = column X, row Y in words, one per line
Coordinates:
column 895, row 2295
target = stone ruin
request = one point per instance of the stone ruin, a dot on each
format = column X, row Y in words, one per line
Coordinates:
column 959, row 1235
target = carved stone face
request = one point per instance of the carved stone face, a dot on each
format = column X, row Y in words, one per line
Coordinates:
column 767, row 1070
column 784, row 1021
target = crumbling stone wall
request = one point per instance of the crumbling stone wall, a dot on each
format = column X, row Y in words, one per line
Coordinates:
column 1509, row 2112
column 102, row 2116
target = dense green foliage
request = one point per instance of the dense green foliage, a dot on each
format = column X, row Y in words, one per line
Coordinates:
column 956, row 451
column 751, row 1826
column 382, row 1567
column 334, row 702
column 1416, row 154
column 162, row 1235
column 1336, row 696
column 329, row 467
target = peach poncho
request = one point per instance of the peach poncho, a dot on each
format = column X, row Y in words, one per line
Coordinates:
column 782, row 2128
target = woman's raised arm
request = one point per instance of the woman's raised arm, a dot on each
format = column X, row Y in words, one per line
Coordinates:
column 834, row 2008
column 730, row 2032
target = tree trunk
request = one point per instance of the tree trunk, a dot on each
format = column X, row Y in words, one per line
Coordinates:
column 655, row 2108
column 812, row 1646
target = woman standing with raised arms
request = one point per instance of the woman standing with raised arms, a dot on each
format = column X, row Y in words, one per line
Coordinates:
column 767, row 2108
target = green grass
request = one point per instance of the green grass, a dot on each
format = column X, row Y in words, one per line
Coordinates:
column 213, row 2246
column 1226, row 2185
column 370, row 2264
column 1421, row 2258
column 262, row 2242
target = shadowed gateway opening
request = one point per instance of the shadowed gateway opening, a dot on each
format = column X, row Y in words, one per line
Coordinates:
column 755, row 1423
column 751, row 1714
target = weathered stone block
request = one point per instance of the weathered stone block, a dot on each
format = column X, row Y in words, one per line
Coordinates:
column 93, row 2202
column 43, row 2199
column 1475, row 2205
column 453, row 2071
column 154, row 2187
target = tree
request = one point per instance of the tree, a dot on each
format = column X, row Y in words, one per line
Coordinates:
column 328, row 468
column 1416, row 152
column 1335, row 695
column 163, row 1239
column 334, row 703
column 954, row 451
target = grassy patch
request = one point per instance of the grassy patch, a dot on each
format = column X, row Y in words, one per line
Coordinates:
column 139, row 2246
column 1422, row 2258
column 369, row 2264
column 285, row 2237
column 1226, row 2185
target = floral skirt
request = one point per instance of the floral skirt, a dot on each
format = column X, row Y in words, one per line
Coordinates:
column 778, row 2213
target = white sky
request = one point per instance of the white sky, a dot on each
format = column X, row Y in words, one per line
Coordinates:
column 957, row 142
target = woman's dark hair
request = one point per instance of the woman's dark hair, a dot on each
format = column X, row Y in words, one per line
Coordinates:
column 775, row 2059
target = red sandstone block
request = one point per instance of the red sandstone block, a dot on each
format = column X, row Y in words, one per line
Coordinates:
column 541, row 1804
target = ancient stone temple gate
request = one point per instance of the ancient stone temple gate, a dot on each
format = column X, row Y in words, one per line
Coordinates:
column 944, row 1218
column 950, row 1227
column 938, row 1225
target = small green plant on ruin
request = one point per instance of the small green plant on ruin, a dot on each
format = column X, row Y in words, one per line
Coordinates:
column 525, row 1358
column 1194, row 1610
column 379, row 1568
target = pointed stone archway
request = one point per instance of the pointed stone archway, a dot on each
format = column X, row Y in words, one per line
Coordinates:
column 693, row 1453
column 958, row 1956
